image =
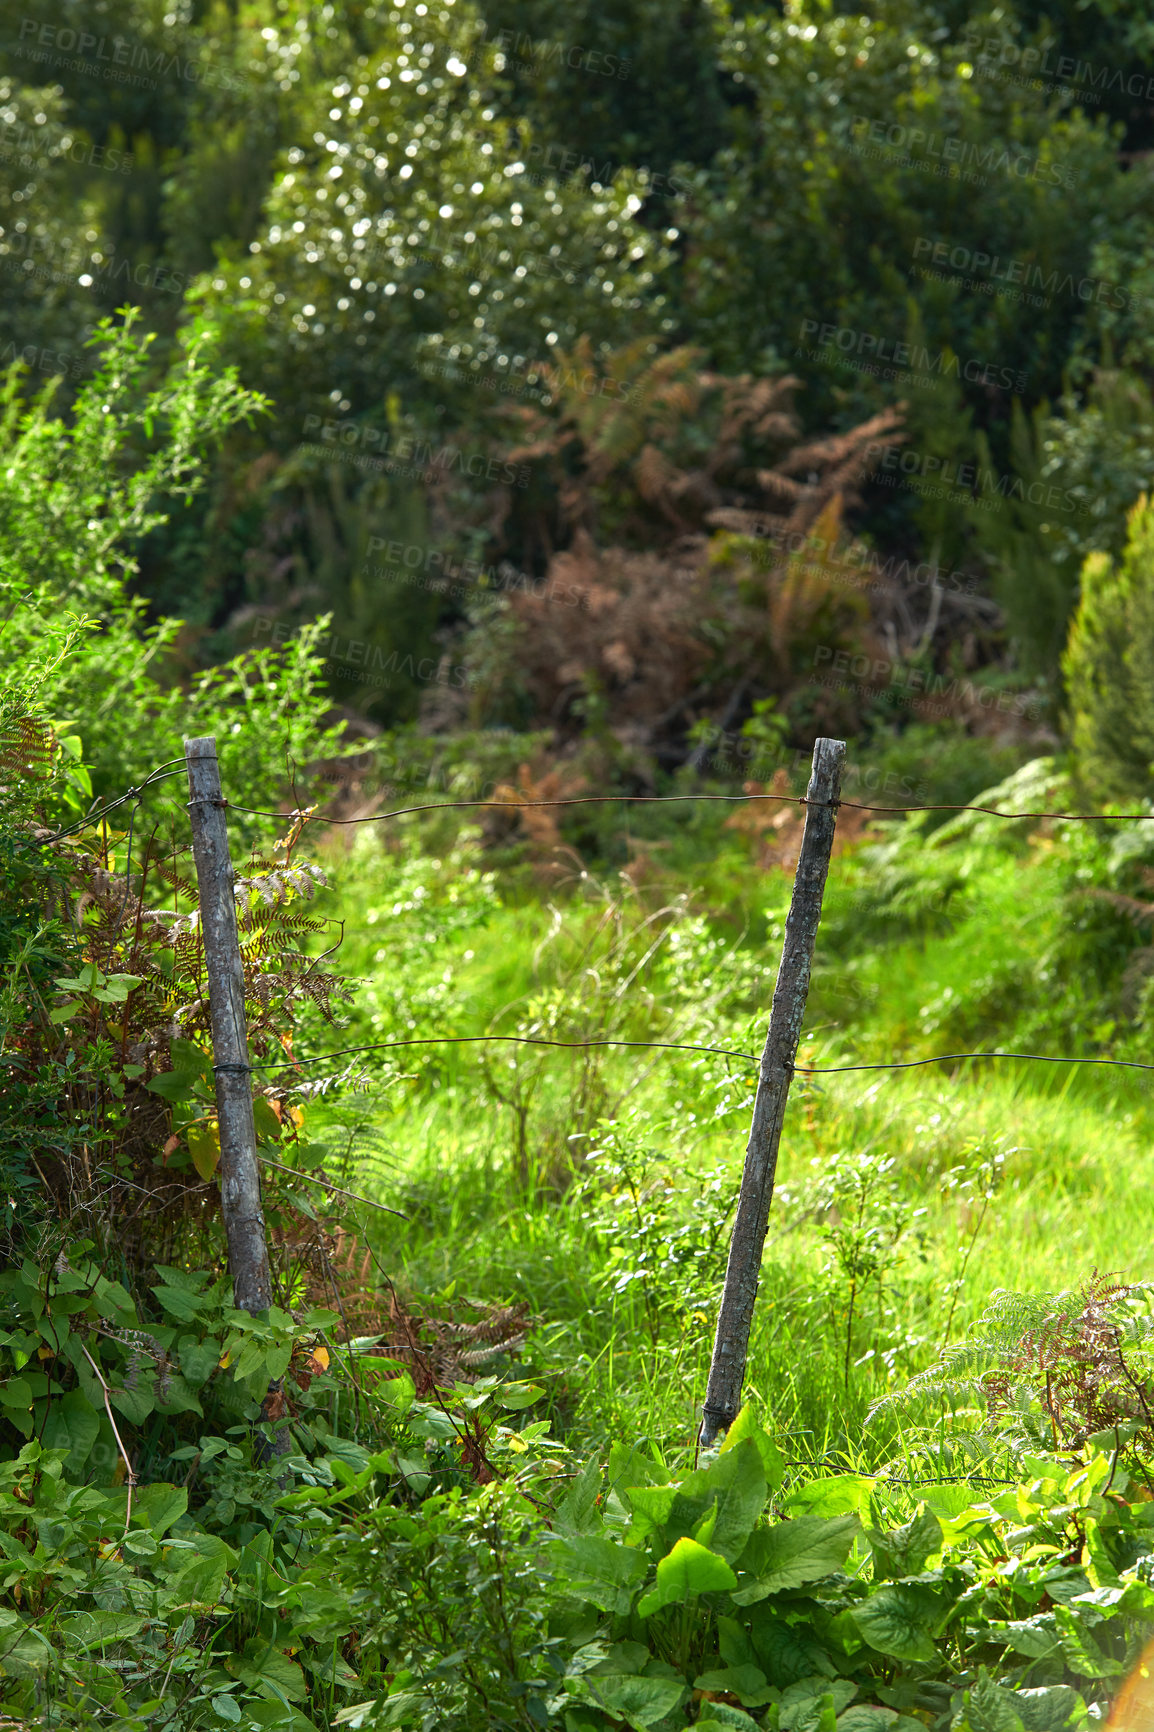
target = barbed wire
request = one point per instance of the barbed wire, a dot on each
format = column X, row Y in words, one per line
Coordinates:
column 162, row 773
column 175, row 766
column 514, row 805
column 684, row 1046
column 517, row 805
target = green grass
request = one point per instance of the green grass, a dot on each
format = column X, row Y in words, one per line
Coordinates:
column 969, row 940
column 1073, row 1199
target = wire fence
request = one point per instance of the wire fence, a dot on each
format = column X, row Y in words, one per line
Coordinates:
column 514, row 804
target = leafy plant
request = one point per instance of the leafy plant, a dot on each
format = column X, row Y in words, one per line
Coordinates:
column 1049, row 1370
column 1106, row 661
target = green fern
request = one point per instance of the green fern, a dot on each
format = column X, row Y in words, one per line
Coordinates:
column 1043, row 1368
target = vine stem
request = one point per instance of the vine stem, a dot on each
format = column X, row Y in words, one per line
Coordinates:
column 130, row 1479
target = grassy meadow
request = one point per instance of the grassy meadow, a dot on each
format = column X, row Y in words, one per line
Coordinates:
column 595, row 1188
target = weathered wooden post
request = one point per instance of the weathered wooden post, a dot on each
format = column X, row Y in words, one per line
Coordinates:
column 735, row 1316
column 239, row 1175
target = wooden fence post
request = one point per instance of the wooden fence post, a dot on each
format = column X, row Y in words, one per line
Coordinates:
column 735, row 1316
column 239, row 1176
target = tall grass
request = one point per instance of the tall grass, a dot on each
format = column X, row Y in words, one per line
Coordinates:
column 903, row 1198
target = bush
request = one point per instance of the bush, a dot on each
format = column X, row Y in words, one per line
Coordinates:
column 1109, row 667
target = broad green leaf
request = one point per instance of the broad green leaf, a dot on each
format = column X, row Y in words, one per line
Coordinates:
column 400, row 1391
column 117, row 987
column 602, row 1571
column 135, row 1404
column 622, row 1657
column 186, row 1055
column 157, row 1506
column 793, row 1553
column 651, row 1506
column 261, row 1665
column 772, row 1460
column 577, row 1512
column 179, row 1396
column 786, row 1653
column 1066, row 1583
column 113, row 1301
column 1099, row 1564
column 813, row 1703
column 276, row 1717
column 736, row 1484
column 990, row 1708
column 1050, row 1708
column 901, row 1619
column 24, row 1651
column 1036, row 1637
column 844, row 1494
column 640, row 1702
column 251, row 1359
column 904, row 1551
column 268, row 1126
column 174, row 1085
column 723, row 1717
column 190, row 1280
column 630, row 1465
column 72, row 1424
column 733, row 1640
column 199, row 1585
column 863, row 1717
column 277, row 1359
column 199, row 1359
column 703, row 1532
column 748, row 1683
column 180, row 1303
column 204, row 1147
column 83, row 1630
column 1083, row 1655
column 515, row 1396
column 1137, row 1601
column 689, row 1569
column 16, row 1392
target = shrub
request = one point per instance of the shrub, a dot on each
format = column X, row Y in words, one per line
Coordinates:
column 1109, row 666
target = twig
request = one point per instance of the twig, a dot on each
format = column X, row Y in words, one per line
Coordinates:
column 130, row 1475
column 266, row 1160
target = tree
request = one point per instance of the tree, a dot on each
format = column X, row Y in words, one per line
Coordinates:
column 1109, row 666
column 76, row 497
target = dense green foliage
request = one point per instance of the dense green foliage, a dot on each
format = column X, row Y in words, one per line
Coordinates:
column 505, row 412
